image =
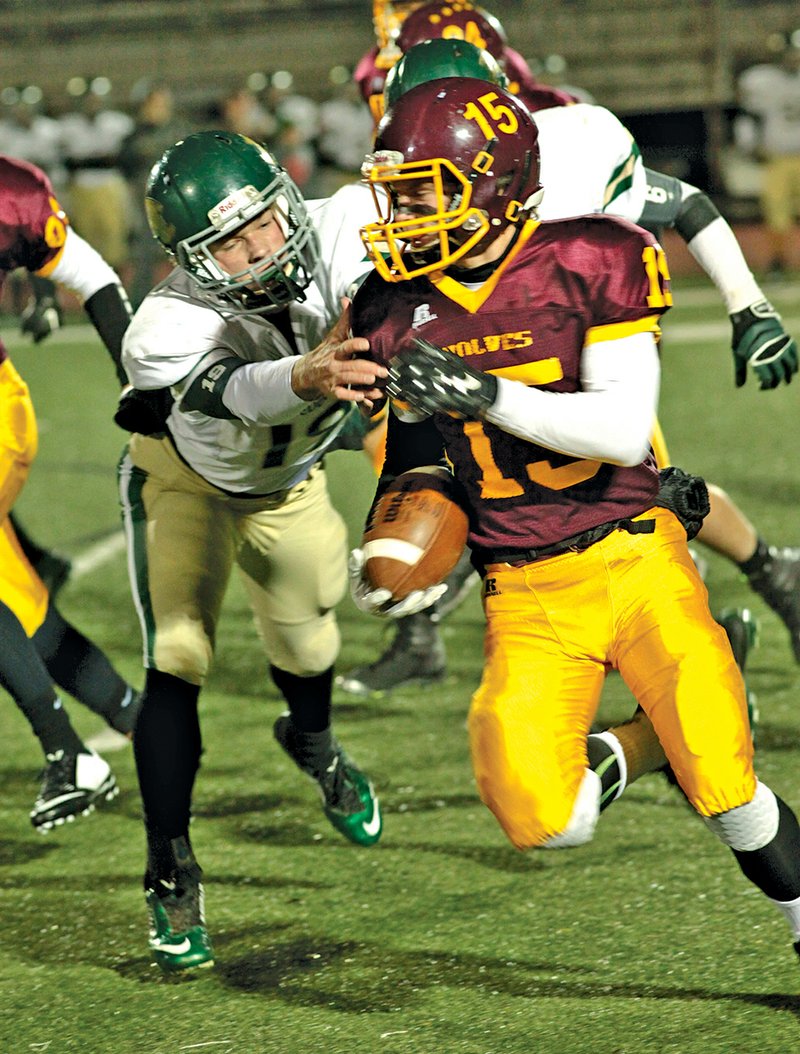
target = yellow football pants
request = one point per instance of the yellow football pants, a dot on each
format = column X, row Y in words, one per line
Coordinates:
column 632, row 602
column 21, row 589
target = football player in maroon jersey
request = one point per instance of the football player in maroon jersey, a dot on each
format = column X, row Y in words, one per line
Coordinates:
column 41, row 650
column 416, row 654
column 525, row 352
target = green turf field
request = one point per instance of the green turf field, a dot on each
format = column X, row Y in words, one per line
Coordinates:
column 442, row 939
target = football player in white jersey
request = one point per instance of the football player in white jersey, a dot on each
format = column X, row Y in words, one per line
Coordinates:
column 247, row 335
column 615, row 181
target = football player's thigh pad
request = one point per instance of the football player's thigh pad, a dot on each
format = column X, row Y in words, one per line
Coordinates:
column 294, row 565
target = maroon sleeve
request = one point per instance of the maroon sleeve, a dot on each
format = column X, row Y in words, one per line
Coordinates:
column 622, row 267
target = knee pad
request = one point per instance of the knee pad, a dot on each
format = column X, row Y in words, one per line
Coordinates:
column 184, row 650
column 305, row 649
column 583, row 819
column 750, row 826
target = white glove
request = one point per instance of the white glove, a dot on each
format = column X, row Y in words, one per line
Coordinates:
column 379, row 601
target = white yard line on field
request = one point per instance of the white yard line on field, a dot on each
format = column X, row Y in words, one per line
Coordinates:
column 98, row 554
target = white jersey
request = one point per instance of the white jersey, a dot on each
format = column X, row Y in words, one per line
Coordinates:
column 590, row 163
column 275, row 439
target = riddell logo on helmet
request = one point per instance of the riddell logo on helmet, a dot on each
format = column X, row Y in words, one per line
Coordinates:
column 234, row 203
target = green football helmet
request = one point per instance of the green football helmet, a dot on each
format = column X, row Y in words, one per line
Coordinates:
column 206, row 186
column 441, row 57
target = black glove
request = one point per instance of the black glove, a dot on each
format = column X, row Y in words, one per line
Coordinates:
column 760, row 341
column 686, row 496
column 143, row 412
column 431, row 379
column 41, row 317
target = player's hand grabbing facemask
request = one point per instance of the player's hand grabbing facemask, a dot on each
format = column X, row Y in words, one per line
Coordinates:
column 761, row 342
column 430, row 379
column 379, row 601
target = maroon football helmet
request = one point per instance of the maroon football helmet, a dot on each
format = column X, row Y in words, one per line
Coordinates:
column 459, row 20
column 477, row 146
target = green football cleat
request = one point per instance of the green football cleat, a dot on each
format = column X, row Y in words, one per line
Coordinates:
column 364, row 826
column 178, row 936
column 348, row 798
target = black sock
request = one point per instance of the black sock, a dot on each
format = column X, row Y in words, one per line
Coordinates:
column 25, row 678
column 168, row 859
column 775, row 868
column 755, row 562
column 308, row 698
column 81, row 668
column 52, row 727
column 309, row 701
column 167, row 747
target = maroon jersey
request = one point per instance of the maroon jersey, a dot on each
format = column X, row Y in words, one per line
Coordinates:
column 561, row 284
column 32, row 223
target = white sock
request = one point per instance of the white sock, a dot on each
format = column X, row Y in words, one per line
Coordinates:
column 611, row 740
column 791, row 912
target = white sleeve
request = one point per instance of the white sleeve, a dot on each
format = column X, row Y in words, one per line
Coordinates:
column 261, row 392
column 339, row 219
column 718, row 252
column 81, row 268
column 611, row 419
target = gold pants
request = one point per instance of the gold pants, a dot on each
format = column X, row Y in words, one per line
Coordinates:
column 631, row 602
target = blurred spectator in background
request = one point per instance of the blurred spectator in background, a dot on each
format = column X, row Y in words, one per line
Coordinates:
column 770, row 96
column 156, row 129
column 91, row 137
column 267, row 111
column 240, row 111
column 27, row 132
column 294, row 142
column 346, row 126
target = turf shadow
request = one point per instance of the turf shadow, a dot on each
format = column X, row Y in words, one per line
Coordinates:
column 357, row 978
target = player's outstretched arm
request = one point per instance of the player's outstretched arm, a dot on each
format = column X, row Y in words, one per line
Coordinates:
column 336, row 369
column 759, row 341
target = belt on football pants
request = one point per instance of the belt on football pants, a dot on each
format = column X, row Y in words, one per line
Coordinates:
column 574, row 544
column 273, row 500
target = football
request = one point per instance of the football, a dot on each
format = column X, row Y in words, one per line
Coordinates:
column 416, row 533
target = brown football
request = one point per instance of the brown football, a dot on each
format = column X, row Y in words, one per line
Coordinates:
column 416, row 533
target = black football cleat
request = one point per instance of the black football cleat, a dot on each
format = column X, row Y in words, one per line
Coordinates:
column 777, row 582
column 416, row 656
